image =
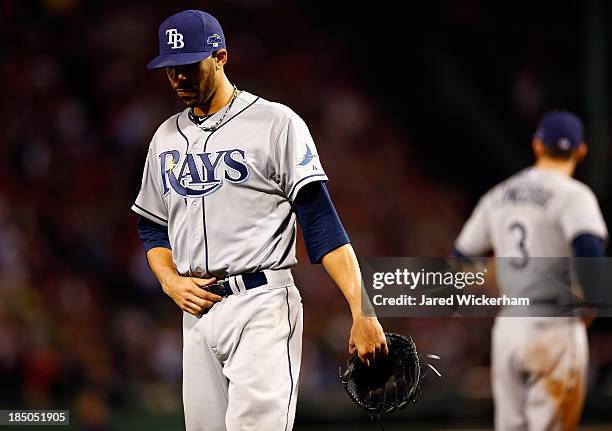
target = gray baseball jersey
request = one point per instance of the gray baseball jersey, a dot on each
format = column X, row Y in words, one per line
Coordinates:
column 545, row 210
column 226, row 195
column 533, row 214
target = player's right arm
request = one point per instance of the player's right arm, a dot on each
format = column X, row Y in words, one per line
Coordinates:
column 186, row 292
column 474, row 239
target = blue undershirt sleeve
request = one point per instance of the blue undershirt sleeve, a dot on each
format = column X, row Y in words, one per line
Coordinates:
column 587, row 245
column 323, row 231
column 590, row 271
column 456, row 253
column 152, row 234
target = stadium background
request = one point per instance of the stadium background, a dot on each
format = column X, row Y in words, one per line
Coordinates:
column 416, row 112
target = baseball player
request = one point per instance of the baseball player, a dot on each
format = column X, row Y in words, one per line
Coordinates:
column 223, row 184
column 539, row 364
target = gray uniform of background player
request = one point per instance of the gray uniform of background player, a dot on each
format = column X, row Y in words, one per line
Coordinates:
column 539, row 365
column 226, row 198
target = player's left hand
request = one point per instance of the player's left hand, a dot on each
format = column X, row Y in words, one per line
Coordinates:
column 367, row 339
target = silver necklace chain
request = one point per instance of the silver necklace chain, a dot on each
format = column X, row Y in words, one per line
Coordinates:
column 220, row 120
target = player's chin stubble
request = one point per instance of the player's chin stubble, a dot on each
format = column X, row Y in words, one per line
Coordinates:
column 206, row 88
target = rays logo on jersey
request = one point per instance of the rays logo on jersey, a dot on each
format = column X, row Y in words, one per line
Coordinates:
column 308, row 157
column 198, row 174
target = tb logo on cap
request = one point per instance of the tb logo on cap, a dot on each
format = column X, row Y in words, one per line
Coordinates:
column 175, row 38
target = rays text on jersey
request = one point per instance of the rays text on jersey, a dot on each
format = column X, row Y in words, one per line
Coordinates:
column 201, row 174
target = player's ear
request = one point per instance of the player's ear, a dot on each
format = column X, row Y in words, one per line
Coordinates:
column 220, row 58
column 538, row 147
column 581, row 151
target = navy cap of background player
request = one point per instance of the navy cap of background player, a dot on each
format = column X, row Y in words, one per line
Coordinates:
column 187, row 37
column 561, row 130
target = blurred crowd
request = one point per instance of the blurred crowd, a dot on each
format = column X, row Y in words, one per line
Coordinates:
column 83, row 323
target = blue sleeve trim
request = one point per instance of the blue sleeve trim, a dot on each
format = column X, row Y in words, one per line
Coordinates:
column 588, row 245
column 323, row 231
column 150, row 213
column 301, row 181
column 152, row 234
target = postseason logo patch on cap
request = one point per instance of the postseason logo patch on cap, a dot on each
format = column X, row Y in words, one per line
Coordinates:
column 215, row 40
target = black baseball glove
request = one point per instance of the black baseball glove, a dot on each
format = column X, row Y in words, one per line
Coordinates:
column 391, row 382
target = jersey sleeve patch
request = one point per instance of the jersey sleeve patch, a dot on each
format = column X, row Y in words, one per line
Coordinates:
column 298, row 161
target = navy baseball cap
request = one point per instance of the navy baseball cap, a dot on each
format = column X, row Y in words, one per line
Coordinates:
column 561, row 130
column 187, row 37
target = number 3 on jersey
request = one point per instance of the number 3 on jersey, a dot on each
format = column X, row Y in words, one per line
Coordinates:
column 517, row 231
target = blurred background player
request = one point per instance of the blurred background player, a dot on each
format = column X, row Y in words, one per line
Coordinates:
column 539, row 364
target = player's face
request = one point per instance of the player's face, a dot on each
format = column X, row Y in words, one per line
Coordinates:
column 193, row 83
